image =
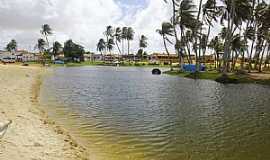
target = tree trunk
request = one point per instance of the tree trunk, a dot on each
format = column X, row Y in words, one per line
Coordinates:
column 261, row 60
column 175, row 32
column 167, row 51
column 128, row 46
column 118, row 47
column 196, row 41
column 208, row 35
column 267, row 57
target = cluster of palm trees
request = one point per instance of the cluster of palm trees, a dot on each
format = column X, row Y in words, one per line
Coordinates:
column 119, row 37
column 44, row 46
column 245, row 33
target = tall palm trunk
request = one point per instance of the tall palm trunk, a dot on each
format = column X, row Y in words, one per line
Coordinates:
column 267, row 56
column 253, row 40
column 207, row 38
column 196, row 41
column 250, row 56
column 118, row 47
column 261, row 60
column 227, row 46
column 128, row 46
column 167, row 51
column 175, row 34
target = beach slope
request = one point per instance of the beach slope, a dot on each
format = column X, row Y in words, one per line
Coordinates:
column 30, row 136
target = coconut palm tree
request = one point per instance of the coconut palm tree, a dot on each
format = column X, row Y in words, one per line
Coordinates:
column 118, row 38
column 130, row 36
column 56, row 48
column 11, row 46
column 210, row 13
column 109, row 33
column 41, row 47
column 110, row 45
column 238, row 47
column 217, row 45
column 186, row 20
column 167, row 29
column 143, row 41
column 46, row 31
column 235, row 12
column 124, row 38
column 101, row 46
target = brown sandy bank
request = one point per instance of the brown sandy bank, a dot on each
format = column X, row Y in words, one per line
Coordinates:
column 31, row 136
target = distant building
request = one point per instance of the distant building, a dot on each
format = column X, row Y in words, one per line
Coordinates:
column 164, row 59
column 89, row 57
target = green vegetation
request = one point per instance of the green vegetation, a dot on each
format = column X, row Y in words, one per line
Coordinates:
column 243, row 22
column 219, row 77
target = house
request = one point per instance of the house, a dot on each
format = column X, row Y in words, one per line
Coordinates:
column 164, row 59
column 88, row 57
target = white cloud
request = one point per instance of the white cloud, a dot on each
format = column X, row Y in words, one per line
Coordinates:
column 84, row 21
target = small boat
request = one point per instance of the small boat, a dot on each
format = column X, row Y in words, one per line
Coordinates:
column 156, row 71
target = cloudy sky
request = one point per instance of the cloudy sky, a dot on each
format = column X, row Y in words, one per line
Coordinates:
column 84, row 21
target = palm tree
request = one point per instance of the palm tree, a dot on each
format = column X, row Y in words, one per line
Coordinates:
column 109, row 34
column 235, row 12
column 118, row 38
column 41, row 47
column 186, row 20
column 165, row 31
column 217, row 45
column 11, row 46
column 110, row 45
column 101, row 46
column 46, row 31
column 130, row 36
column 56, row 49
column 175, row 5
column 210, row 13
column 143, row 42
column 238, row 47
column 123, row 38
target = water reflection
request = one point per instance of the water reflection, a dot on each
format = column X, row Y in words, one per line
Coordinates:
column 127, row 113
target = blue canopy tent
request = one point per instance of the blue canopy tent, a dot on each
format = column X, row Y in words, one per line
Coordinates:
column 192, row 68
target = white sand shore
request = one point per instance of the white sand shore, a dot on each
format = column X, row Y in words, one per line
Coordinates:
column 31, row 136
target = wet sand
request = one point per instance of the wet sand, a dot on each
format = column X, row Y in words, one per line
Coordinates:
column 31, row 136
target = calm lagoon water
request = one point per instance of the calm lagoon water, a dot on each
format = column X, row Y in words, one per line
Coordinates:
column 127, row 113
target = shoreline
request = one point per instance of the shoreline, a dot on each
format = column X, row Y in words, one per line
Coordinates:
column 32, row 135
column 232, row 78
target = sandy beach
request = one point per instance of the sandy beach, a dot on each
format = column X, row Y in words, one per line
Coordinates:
column 31, row 136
